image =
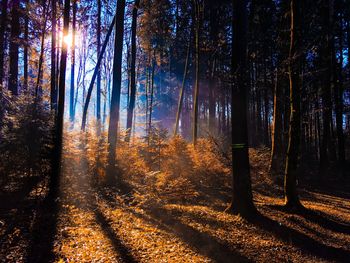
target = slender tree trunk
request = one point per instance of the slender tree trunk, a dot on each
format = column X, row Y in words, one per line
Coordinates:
column 72, row 69
column 151, row 96
column 26, row 45
column 53, row 90
column 290, row 177
column 98, row 81
column 91, row 86
column 116, row 89
column 54, row 183
column 196, row 85
column 242, row 199
column 131, row 105
column 277, row 131
column 14, row 47
column 179, row 107
column 41, row 56
column 326, row 90
column 2, row 38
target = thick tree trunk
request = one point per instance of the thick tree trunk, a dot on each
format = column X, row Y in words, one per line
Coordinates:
column 290, row 177
column 242, row 199
column 2, row 38
column 116, row 89
column 14, row 47
column 131, row 105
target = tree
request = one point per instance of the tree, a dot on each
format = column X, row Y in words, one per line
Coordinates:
column 242, row 199
column 197, row 18
column 290, row 176
column 14, row 47
column 72, row 74
column 2, row 37
column 116, row 88
column 53, row 90
column 131, row 105
column 98, row 82
column 57, row 156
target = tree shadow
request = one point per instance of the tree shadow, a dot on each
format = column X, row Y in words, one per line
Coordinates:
column 201, row 242
column 300, row 240
column 122, row 251
column 320, row 219
column 44, row 232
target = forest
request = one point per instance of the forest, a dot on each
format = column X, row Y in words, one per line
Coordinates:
column 174, row 131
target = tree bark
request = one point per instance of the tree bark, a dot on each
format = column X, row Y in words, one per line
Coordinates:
column 53, row 88
column 242, row 199
column 116, row 89
column 131, row 105
column 91, row 86
column 2, row 38
column 72, row 70
column 14, row 47
column 98, row 81
column 290, row 177
column 57, row 156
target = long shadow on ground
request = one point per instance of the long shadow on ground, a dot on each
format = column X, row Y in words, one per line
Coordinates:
column 300, row 240
column 121, row 250
column 201, row 242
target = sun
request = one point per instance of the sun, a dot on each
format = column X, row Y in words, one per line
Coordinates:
column 68, row 39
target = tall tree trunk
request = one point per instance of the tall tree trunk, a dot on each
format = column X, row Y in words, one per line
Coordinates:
column 53, row 87
column 290, row 177
column 98, row 81
column 242, row 199
column 326, row 89
column 116, row 89
column 196, row 85
column 41, row 56
column 277, row 131
column 131, row 105
column 338, row 99
column 94, row 75
column 26, row 45
column 14, row 47
column 2, row 38
column 54, row 183
column 72, row 68
column 180, row 102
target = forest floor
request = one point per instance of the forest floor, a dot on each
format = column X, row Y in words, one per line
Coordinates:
column 105, row 225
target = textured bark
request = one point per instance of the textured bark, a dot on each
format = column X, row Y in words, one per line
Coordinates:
column 242, row 199
column 116, row 89
column 290, row 177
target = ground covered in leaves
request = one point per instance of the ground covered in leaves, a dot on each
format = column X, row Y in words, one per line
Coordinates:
column 141, row 223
